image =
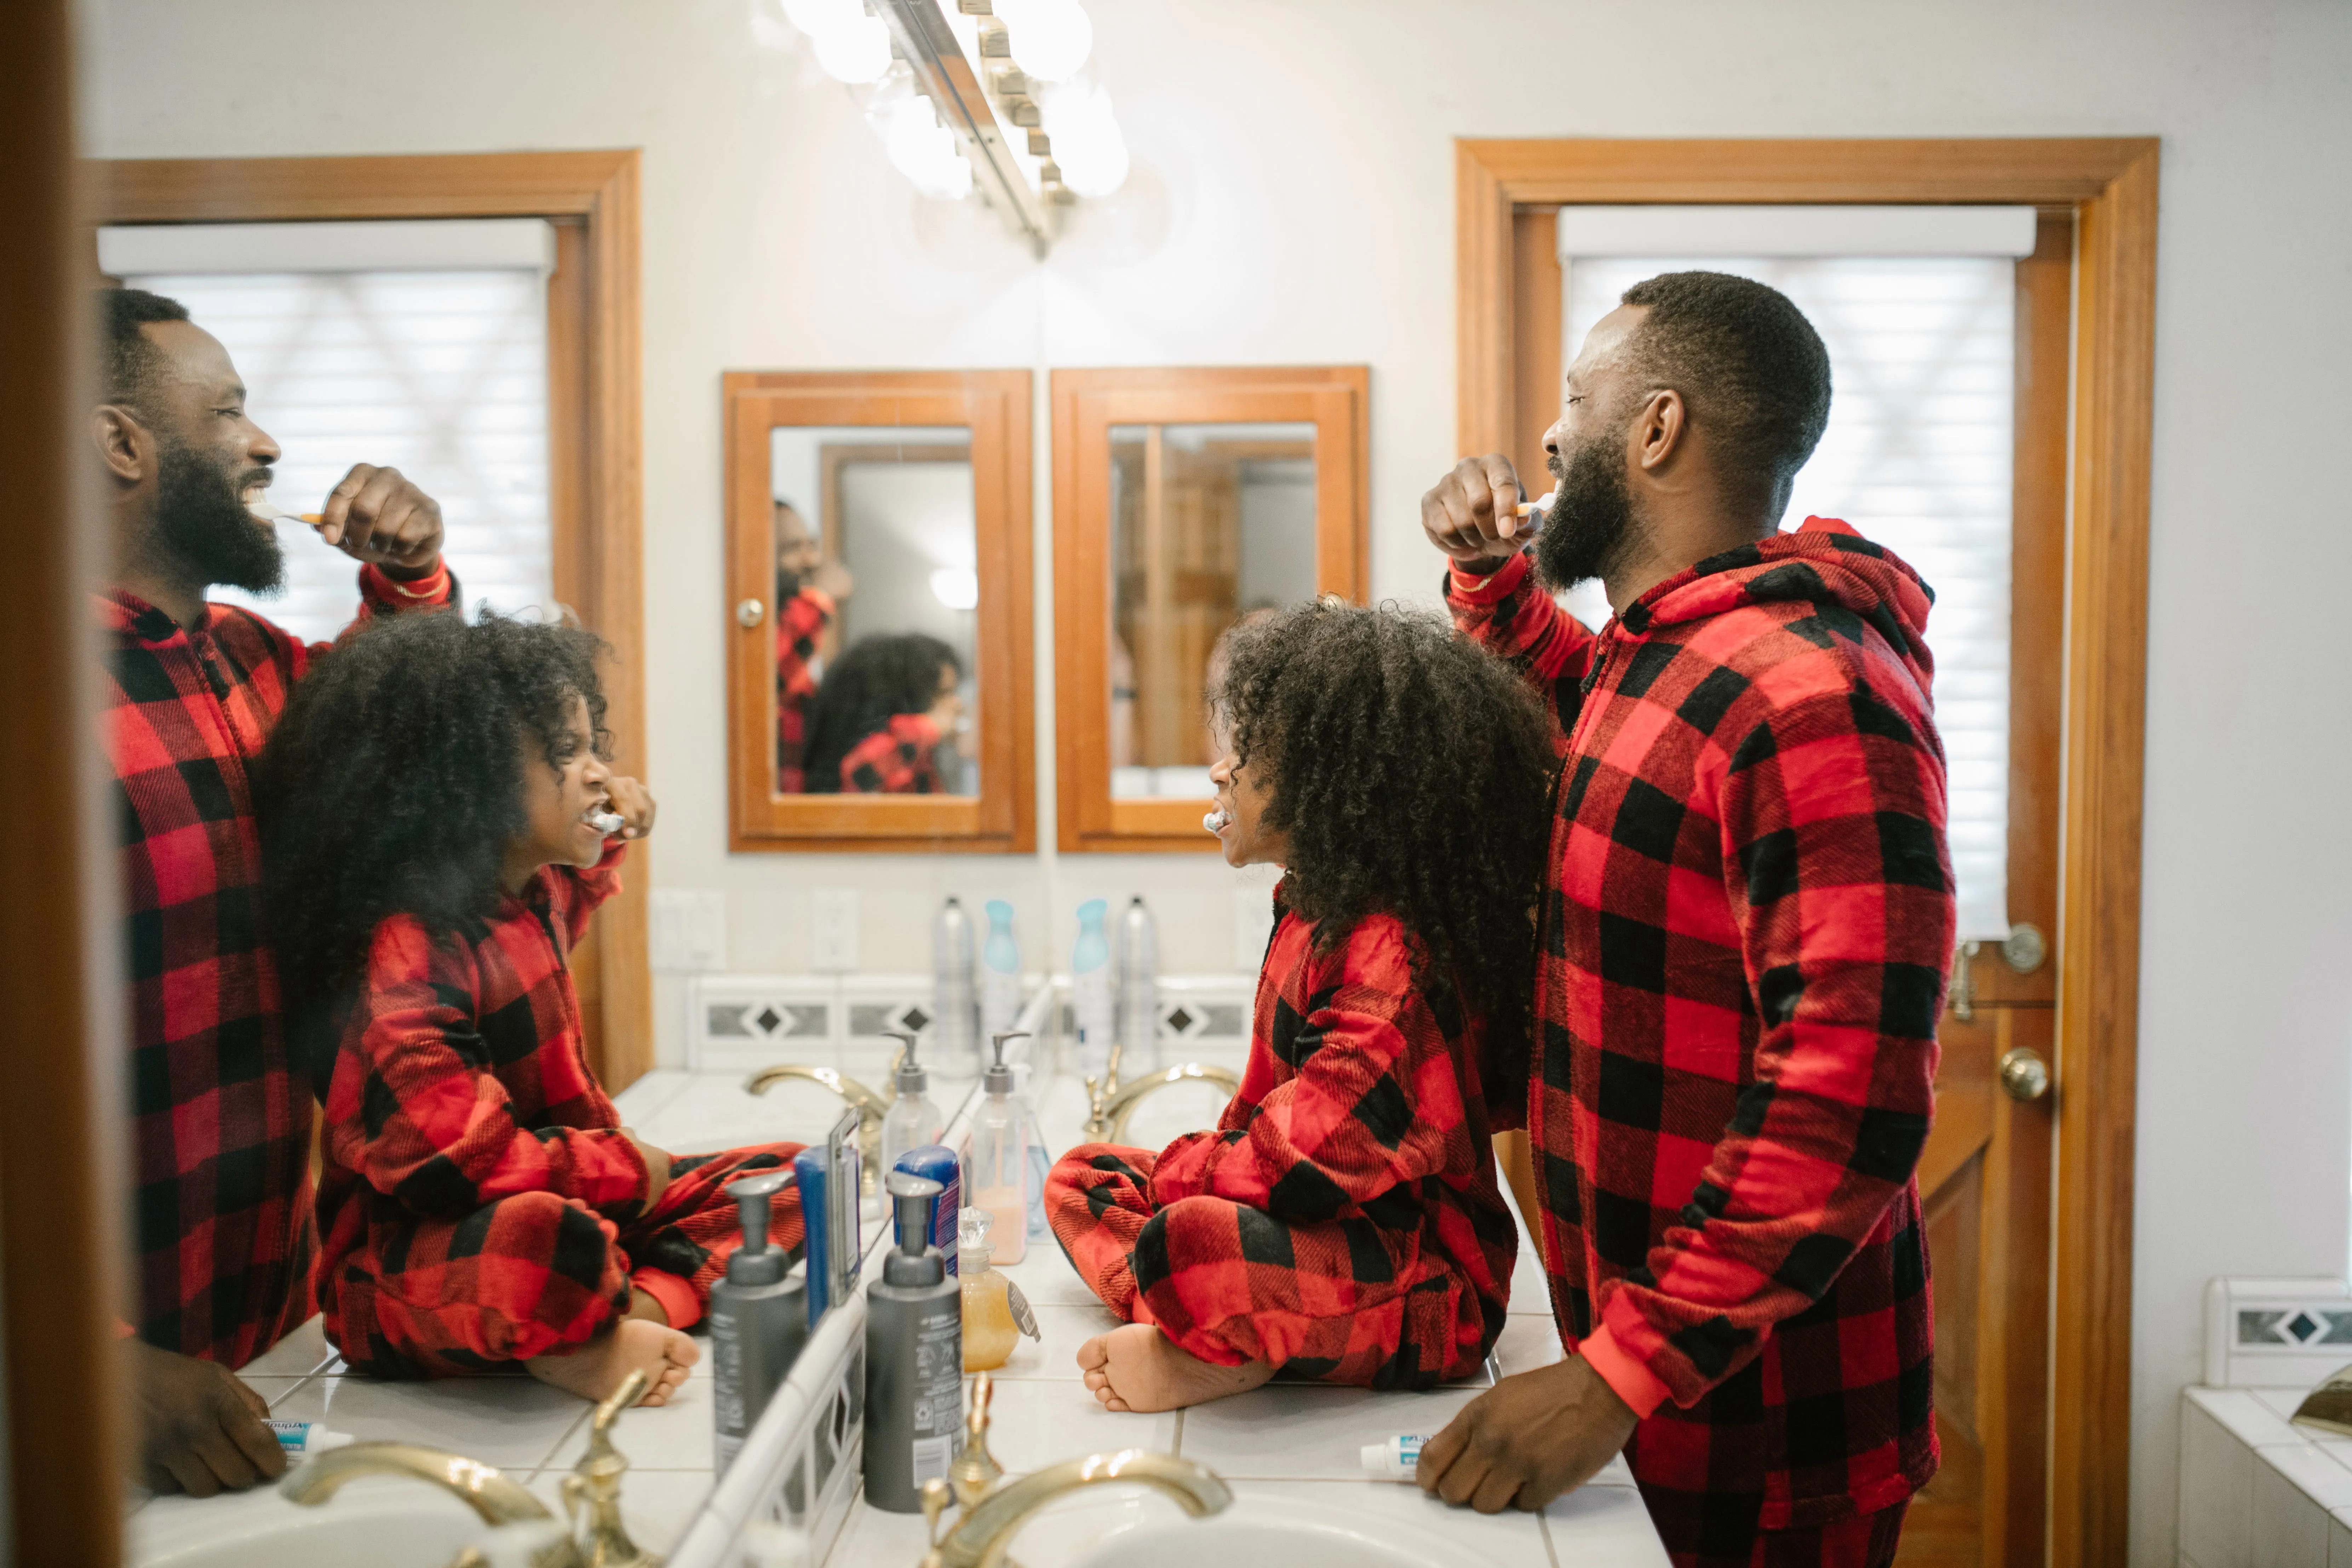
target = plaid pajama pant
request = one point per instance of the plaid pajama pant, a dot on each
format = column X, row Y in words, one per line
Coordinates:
column 1229, row 1283
column 535, row 1273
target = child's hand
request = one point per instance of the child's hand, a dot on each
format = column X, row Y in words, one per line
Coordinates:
column 633, row 804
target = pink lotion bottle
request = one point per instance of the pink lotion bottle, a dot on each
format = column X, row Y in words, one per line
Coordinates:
column 996, row 1158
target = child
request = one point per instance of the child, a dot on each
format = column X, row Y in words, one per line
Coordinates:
column 888, row 710
column 425, row 810
column 1342, row 1222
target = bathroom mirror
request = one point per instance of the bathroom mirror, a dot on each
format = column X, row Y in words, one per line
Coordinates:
column 878, row 609
column 1184, row 502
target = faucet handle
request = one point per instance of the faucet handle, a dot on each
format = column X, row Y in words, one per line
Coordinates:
column 975, row 1469
column 935, row 1503
column 600, row 1424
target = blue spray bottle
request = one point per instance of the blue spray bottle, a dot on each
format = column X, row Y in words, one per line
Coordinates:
column 1000, row 971
column 1090, row 997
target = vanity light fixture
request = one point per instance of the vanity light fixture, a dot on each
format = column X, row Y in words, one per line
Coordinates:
column 992, row 95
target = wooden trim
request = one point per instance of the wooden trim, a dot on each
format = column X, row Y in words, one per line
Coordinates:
column 1085, row 403
column 61, row 1109
column 994, row 405
column 2111, row 185
column 596, row 389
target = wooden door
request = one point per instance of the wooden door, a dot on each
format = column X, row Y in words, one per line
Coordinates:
column 1985, row 1174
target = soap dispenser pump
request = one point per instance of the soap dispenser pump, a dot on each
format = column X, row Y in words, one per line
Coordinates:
column 912, row 1120
column 759, row 1317
column 914, row 1357
column 996, row 1157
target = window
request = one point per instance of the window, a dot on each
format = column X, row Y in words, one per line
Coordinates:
column 1917, row 452
column 422, row 345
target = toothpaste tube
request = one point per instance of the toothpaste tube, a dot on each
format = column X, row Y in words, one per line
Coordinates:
column 1393, row 1460
column 300, row 1439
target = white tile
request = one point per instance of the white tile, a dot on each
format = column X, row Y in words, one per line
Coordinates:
column 1596, row 1523
column 2339, row 1539
column 1526, row 1343
column 2289, row 1530
column 873, row 1539
column 650, row 1092
column 1035, row 1424
column 677, row 1436
column 1308, row 1432
column 1530, row 1291
column 1062, row 1329
column 2280, row 1401
column 2217, row 1486
column 513, row 1423
column 299, row 1354
column 656, row 1505
column 1407, row 1517
column 2310, row 1469
column 2253, row 1422
column 1047, row 1277
column 276, row 1389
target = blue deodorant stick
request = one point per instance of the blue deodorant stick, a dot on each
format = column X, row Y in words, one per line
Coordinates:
column 808, row 1178
column 938, row 1162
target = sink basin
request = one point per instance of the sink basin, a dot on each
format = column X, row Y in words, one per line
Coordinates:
column 388, row 1522
column 1284, row 1532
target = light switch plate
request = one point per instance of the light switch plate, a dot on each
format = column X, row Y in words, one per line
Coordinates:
column 833, row 930
column 689, row 931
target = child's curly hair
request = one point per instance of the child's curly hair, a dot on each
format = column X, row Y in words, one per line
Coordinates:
column 394, row 783
column 1412, row 773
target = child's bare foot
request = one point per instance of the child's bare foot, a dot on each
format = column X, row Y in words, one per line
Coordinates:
column 597, row 1368
column 1138, row 1368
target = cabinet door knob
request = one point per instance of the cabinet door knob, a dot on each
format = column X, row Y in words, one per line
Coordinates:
column 750, row 614
column 2023, row 1074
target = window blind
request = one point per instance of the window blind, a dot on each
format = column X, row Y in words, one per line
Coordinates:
column 1918, row 456
column 425, row 351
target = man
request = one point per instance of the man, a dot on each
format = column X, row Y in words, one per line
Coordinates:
column 810, row 592
column 1747, row 913
column 221, row 1119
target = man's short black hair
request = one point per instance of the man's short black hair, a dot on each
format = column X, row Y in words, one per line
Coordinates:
column 131, row 361
column 1751, row 368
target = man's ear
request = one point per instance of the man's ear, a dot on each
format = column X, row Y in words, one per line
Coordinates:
column 125, row 445
column 1661, row 430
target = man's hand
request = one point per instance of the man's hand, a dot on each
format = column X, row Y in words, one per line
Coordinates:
column 1471, row 513
column 632, row 804
column 658, row 1164
column 199, row 1429
column 1528, row 1440
column 379, row 515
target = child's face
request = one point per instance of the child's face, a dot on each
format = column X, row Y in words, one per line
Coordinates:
column 946, row 702
column 558, row 801
column 1243, row 796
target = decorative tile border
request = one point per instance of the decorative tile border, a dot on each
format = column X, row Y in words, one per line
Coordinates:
column 2276, row 1333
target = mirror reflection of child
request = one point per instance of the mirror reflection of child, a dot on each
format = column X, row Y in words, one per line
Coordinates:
column 1343, row 1221
column 426, row 808
column 810, row 592
column 885, row 718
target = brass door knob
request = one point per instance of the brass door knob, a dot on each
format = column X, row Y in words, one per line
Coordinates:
column 750, row 614
column 2023, row 1074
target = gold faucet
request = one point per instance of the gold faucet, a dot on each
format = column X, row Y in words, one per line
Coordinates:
column 870, row 1105
column 1113, row 1115
column 984, row 1531
column 1099, row 1093
column 595, row 1482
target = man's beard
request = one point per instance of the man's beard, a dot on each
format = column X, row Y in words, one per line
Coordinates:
column 201, row 526
column 1590, row 529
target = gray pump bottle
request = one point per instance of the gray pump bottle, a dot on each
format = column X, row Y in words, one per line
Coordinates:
column 759, row 1317
column 914, row 1357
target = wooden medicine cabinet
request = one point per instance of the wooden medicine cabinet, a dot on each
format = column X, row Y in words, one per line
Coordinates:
column 1184, row 500
column 878, row 612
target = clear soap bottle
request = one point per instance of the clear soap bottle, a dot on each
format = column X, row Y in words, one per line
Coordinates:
column 994, row 1315
column 996, row 1157
column 912, row 1120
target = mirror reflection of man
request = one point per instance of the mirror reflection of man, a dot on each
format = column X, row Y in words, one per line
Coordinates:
column 220, row 1133
column 809, row 591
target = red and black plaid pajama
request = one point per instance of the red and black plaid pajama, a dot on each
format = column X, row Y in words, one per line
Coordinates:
column 1343, row 1220
column 480, row 1204
column 898, row 759
column 220, row 1113
column 800, row 620
column 1748, row 917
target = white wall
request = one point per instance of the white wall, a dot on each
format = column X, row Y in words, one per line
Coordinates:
column 1293, row 202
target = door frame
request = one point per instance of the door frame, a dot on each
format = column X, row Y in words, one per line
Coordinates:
column 2111, row 184
column 596, row 397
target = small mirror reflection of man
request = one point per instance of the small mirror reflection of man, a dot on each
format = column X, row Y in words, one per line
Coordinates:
column 809, row 591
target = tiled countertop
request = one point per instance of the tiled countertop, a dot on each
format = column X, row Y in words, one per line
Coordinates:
column 2255, row 1490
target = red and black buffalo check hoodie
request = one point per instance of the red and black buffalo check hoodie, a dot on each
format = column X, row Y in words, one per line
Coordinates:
column 1748, row 914
column 220, row 1129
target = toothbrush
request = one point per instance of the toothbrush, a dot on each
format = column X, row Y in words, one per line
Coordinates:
column 608, row 823
column 269, row 511
column 1542, row 504
column 1216, row 821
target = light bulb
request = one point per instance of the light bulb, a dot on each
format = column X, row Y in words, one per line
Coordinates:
column 818, row 17
column 1051, row 38
column 923, row 149
column 855, row 50
column 1088, row 142
column 957, row 587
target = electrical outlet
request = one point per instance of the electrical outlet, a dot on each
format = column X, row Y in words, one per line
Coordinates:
column 689, row 931
column 833, row 932
column 1252, row 926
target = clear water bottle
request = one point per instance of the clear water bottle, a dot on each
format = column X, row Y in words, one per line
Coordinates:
column 955, row 1004
column 1139, row 991
column 1090, row 997
column 1000, row 971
